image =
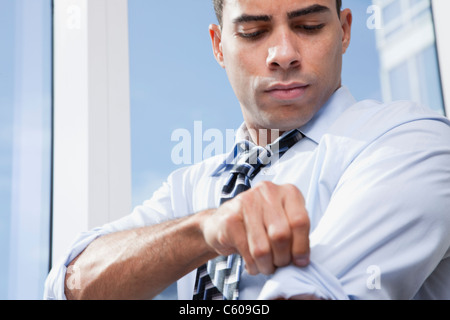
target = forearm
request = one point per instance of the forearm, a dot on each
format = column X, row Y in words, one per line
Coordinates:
column 140, row 263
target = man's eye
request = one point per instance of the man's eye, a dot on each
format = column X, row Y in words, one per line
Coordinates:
column 251, row 35
column 309, row 28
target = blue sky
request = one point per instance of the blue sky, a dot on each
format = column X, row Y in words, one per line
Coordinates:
column 175, row 80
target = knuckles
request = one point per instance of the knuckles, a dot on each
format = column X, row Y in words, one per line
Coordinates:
column 259, row 252
column 279, row 236
column 267, row 189
column 300, row 220
column 292, row 190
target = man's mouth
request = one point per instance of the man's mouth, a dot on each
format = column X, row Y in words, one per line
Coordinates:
column 287, row 91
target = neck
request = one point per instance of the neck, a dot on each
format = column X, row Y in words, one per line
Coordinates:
column 263, row 137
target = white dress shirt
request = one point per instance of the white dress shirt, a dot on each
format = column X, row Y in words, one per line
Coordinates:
column 376, row 183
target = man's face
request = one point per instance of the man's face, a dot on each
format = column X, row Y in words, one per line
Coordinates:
column 283, row 57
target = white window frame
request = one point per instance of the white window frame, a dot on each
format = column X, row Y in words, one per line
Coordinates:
column 92, row 165
column 442, row 25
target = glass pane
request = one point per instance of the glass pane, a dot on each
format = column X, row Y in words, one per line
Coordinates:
column 179, row 91
column 25, row 146
column 429, row 81
column 173, row 85
column 409, row 67
column 398, row 78
column 391, row 12
column 361, row 66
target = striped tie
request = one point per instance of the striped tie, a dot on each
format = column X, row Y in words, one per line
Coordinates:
column 219, row 278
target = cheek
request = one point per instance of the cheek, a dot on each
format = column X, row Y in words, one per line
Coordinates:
column 325, row 59
column 241, row 70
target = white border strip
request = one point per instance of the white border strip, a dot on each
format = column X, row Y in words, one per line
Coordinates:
column 442, row 25
column 92, row 165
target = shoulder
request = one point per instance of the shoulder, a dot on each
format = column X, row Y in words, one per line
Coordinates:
column 203, row 169
column 184, row 181
column 386, row 134
column 369, row 120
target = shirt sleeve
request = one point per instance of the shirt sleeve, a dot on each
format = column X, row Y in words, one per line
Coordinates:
column 156, row 210
column 312, row 281
column 54, row 284
column 384, row 230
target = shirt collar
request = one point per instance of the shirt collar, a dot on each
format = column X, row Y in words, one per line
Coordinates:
column 243, row 142
column 340, row 101
column 313, row 130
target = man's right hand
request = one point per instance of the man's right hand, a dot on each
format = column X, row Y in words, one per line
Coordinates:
column 267, row 225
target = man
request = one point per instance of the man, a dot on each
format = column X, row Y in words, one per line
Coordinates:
column 356, row 209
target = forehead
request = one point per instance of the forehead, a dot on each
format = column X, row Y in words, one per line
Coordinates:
column 270, row 7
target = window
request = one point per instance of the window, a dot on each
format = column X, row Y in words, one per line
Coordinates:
column 409, row 66
column 25, row 146
column 398, row 77
column 391, row 11
column 173, row 85
column 177, row 84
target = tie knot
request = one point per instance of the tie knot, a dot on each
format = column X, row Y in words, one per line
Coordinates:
column 256, row 156
column 253, row 157
column 252, row 160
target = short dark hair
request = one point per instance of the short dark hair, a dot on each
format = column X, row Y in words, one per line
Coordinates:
column 218, row 8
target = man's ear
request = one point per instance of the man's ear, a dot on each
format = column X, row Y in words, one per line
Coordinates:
column 216, row 40
column 346, row 22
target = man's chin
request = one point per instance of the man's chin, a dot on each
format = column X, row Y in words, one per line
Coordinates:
column 287, row 122
column 278, row 127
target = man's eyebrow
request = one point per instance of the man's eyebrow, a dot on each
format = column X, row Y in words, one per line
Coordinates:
column 251, row 18
column 316, row 8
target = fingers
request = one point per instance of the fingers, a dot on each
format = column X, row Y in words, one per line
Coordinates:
column 258, row 242
column 280, row 237
column 238, row 234
column 267, row 225
column 277, row 225
column 294, row 205
column 226, row 233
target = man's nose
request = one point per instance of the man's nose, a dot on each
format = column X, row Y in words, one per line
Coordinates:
column 283, row 53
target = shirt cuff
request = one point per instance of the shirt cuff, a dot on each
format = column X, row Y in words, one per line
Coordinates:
column 55, row 282
column 293, row 282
